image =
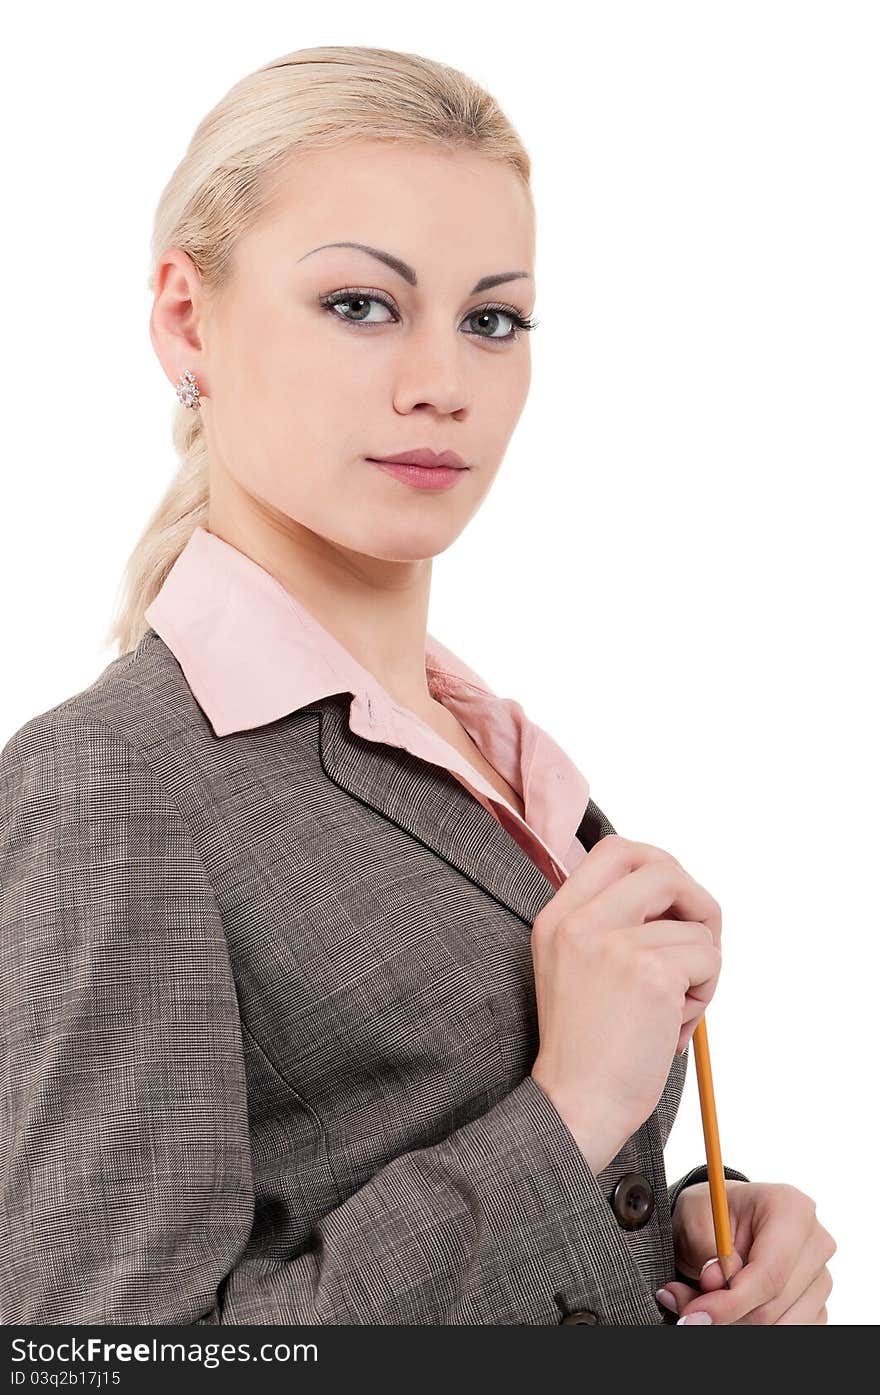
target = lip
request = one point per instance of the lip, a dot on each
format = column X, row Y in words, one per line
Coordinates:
column 424, row 457
column 429, row 477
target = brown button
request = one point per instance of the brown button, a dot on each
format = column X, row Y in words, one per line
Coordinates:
column 632, row 1200
column 580, row 1315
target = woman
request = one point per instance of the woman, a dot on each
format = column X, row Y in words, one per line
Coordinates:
column 338, row 1000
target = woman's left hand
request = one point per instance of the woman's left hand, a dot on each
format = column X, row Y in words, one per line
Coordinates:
column 781, row 1251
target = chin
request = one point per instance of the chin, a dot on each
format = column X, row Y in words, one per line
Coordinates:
column 407, row 554
column 414, row 547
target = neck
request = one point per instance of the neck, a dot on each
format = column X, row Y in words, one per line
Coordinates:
column 376, row 609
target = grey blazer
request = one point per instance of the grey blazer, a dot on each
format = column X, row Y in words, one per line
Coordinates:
column 267, row 1025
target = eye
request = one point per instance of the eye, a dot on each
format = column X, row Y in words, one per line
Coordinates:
column 352, row 304
column 490, row 314
column 351, row 296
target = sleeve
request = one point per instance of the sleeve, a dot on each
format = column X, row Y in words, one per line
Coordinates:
column 126, row 1175
column 700, row 1174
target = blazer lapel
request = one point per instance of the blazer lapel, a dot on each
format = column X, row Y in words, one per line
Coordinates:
column 432, row 805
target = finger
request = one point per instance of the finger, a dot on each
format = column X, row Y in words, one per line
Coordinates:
column 649, row 893
column 627, row 883
column 710, row 1278
column 690, row 1018
column 809, row 1268
column 712, row 1275
column 608, row 860
column 773, row 1258
column 810, row 1309
column 681, row 1295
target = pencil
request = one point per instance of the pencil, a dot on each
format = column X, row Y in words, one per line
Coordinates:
column 717, row 1187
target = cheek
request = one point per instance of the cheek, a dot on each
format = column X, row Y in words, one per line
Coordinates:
column 281, row 351
column 506, row 395
column 289, row 402
column 318, row 391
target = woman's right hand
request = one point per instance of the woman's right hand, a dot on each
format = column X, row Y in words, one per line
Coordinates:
column 620, row 986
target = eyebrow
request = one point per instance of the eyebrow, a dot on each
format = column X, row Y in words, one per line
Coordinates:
column 407, row 272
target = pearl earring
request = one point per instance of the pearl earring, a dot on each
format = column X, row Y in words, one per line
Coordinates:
column 188, row 389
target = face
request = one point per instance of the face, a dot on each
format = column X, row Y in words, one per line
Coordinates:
column 313, row 360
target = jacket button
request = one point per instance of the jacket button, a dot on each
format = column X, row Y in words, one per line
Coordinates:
column 579, row 1315
column 632, row 1200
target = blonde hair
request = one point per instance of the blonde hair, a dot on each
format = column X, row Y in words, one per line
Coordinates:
column 311, row 99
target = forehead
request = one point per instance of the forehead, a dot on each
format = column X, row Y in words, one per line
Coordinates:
column 423, row 203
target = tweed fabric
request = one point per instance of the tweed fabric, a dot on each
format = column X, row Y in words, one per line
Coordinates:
column 267, row 1028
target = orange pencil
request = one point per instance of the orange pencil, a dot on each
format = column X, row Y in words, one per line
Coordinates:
column 717, row 1187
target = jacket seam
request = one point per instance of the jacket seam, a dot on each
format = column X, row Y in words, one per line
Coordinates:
column 313, row 1114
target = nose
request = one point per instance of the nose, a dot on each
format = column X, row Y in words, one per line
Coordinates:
column 431, row 371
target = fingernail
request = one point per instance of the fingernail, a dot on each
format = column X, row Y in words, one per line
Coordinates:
column 667, row 1299
column 694, row 1317
column 713, row 1260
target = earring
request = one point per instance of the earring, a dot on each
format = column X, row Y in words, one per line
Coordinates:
column 188, row 389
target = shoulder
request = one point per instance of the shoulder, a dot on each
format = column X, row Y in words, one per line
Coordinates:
column 103, row 886
column 98, row 748
column 137, row 739
column 139, row 703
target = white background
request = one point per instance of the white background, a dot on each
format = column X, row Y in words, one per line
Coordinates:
column 678, row 553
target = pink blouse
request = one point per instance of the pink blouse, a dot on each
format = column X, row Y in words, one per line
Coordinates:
column 251, row 654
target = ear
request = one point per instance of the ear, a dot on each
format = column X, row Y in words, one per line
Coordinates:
column 176, row 316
